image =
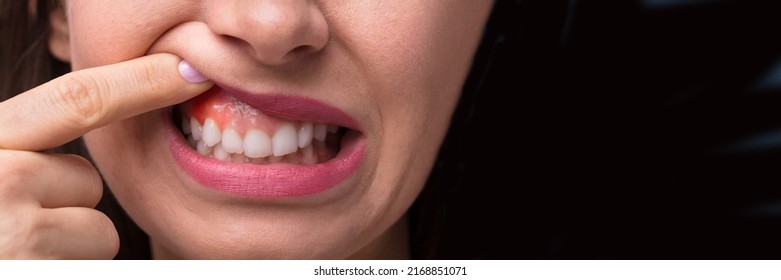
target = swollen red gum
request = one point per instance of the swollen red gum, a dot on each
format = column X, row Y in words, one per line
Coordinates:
column 228, row 112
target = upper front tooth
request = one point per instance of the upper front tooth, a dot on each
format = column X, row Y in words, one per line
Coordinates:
column 195, row 128
column 284, row 140
column 211, row 133
column 333, row 129
column 257, row 144
column 319, row 131
column 232, row 142
column 305, row 135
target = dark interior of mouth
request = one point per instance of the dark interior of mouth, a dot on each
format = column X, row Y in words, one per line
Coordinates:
column 333, row 141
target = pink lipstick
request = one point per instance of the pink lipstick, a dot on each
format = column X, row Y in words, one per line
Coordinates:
column 292, row 157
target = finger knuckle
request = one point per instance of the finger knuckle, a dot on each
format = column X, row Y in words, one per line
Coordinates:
column 95, row 225
column 16, row 235
column 150, row 76
column 81, row 97
column 37, row 234
column 15, row 174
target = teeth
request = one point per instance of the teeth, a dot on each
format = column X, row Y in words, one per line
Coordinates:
column 186, row 126
column 257, row 144
column 238, row 158
column 211, row 133
column 195, row 128
column 319, row 131
column 202, row 148
column 220, row 153
column 274, row 159
column 284, row 140
column 309, row 155
column 305, row 134
column 232, row 142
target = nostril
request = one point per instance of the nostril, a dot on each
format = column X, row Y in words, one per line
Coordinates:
column 236, row 41
column 277, row 32
column 300, row 49
column 298, row 52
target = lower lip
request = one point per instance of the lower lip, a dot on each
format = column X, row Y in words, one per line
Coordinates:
column 265, row 181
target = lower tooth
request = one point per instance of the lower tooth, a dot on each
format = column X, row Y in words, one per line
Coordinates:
column 220, row 153
column 238, row 158
column 321, row 150
column 308, row 154
column 274, row 159
column 202, row 148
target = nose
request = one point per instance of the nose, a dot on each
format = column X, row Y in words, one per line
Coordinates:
column 273, row 31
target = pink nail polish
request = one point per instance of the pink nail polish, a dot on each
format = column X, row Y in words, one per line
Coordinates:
column 189, row 73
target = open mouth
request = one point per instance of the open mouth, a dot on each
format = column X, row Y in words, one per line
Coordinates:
column 264, row 145
column 220, row 126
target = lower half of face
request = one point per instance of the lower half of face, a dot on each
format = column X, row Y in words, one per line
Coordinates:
column 293, row 154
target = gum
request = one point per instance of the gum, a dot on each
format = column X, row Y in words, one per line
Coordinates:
column 228, row 112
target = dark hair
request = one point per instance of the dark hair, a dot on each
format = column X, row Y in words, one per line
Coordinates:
column 648, row 130
column 25, row 60
column 438, row 220
column 26, row 63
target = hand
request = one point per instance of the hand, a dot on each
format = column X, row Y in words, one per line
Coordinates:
column 47, row 200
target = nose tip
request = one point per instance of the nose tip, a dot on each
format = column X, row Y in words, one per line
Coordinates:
column 273, row 31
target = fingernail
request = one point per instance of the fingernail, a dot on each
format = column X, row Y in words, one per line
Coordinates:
column 189, row 73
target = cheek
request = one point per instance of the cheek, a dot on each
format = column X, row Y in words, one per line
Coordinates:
column 417, row 54
column 418, row 58
column 94, row 41
column 417, row 63
column 114, row 147
column 103, row 144
column 106, row 32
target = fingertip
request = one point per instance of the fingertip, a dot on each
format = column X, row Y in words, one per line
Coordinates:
column 189, row 73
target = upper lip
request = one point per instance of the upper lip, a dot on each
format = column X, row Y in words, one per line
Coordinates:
column 293, row 107
column 290, row 106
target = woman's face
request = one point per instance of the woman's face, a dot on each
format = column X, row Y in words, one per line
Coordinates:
column 265, row 175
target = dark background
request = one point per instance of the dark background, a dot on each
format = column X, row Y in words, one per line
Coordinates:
column 618, row 129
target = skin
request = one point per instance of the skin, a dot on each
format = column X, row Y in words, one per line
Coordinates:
column 396, row 66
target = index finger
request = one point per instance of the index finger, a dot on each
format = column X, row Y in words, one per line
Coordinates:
column 65, row 108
